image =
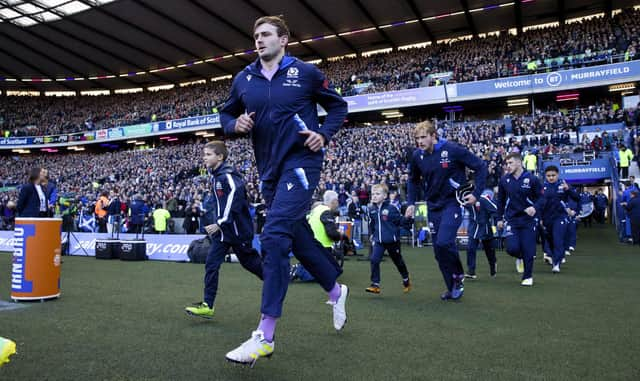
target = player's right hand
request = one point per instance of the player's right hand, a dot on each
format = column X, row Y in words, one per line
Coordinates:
column 244, row 123
column 500, row 225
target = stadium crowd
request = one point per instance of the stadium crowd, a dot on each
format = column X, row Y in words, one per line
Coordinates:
column 594, row 41
column 172, row 175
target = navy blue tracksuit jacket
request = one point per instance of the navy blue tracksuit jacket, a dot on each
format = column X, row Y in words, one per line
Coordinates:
column 554, row 202
column 516, row 195
column 284, row 106
column 231, row 208
column 443, row 171
column 385, row 222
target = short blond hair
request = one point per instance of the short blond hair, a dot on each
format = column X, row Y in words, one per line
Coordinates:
column 382, row 187
column 426, row 127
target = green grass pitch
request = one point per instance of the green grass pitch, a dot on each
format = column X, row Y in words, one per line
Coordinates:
column 125, row 321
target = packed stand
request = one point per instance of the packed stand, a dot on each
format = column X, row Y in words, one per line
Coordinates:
column 590, row 42
column 30, row 116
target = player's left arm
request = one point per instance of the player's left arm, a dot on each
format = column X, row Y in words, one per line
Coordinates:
column 327, row 97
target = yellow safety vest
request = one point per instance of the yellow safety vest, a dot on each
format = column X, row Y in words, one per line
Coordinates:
column 625, row 157
column 531, row 162
column 318, row 228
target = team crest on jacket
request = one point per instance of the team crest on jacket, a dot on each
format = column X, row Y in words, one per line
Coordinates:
column 444, row 159
column 248, row 77
column 293, row 72
column 525, row 183
column 219, row 190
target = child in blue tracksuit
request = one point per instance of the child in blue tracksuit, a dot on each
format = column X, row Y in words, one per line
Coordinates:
column 233, row 226
column 441, row 165
column 518, row 191
column 480, row 230
column 553, row 211
column 385, row 220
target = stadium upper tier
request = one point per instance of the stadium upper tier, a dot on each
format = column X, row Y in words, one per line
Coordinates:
column 592, row 42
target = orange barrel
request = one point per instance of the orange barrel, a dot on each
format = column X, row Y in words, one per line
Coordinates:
column 346, row 227
column 35, row 271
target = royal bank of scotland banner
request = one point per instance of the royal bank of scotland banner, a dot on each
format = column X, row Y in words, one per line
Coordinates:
column 553, row 81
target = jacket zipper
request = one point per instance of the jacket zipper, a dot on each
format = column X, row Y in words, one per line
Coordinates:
column 379, row 225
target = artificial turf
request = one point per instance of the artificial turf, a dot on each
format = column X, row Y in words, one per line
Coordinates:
column 125, row 321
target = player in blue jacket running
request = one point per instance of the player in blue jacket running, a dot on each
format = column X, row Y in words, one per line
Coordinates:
column 441, row 165
column 274, row 100
column 553, row 211
column 518, row 191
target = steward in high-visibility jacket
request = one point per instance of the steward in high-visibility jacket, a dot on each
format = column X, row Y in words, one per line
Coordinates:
column 530, row 162
column 323, row 222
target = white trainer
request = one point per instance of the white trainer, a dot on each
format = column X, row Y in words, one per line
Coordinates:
column 527, row 282
column 556, row 269
column 339, row 308
column 251, row 350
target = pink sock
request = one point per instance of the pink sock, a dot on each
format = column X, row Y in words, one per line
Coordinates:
column 335, row 293
column 268, row 326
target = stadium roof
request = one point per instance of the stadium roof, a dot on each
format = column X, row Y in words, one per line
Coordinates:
column 105, row 44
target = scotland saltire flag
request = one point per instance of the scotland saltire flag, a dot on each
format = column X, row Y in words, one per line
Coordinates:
column 87, row 222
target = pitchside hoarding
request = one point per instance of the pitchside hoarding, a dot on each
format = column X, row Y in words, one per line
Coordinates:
column 163, row 247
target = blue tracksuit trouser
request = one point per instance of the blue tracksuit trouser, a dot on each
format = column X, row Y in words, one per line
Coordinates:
column 444, row 224
column 286, row 230
column 479, row 233
column 572, row 233
column 521, row 243
column 556, row 232
column 393, row 249
column 249, row 259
